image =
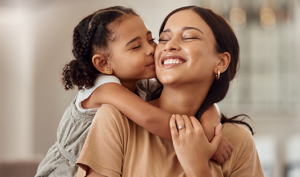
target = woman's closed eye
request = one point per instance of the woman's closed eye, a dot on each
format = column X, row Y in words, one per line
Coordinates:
column 163, row 40
column 190, row 38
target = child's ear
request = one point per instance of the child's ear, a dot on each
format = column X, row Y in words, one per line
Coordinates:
column 223, row 62
column 101, row 64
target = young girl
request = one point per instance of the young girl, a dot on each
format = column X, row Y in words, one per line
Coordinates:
column 113, row 50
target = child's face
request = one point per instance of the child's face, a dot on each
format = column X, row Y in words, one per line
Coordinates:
column 132, row 51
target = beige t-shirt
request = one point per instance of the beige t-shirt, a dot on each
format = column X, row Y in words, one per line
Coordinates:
column 116, row 147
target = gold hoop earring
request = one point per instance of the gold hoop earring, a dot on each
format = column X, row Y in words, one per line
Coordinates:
column 218, row 75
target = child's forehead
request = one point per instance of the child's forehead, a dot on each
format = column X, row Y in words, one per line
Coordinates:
column 129, row 29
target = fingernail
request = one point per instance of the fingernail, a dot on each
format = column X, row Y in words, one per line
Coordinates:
column 173, row 115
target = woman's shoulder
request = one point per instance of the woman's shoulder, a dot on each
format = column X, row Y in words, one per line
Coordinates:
column 235, row 130
column 237, row 134
column 108, row 113
column 109, row 108
column 244, row 160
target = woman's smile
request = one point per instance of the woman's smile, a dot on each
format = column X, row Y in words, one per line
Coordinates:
column 169, row 61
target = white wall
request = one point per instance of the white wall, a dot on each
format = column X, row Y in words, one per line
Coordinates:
column 17, row 83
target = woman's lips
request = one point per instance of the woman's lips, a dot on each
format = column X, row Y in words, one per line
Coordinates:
column 172, row 60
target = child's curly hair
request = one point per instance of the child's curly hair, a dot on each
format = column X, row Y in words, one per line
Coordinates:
column 90, row 34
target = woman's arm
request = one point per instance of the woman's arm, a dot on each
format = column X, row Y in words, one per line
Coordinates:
column 191, row 145
column 151, row 118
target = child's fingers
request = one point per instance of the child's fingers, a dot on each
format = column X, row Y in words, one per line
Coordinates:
column 173, row 128
column 180, row 123
column 225, row 156
column 218, row 130
column 217, row 138
column 228, row 152
column 230, row 146
column 221, row 159
column 187, row 122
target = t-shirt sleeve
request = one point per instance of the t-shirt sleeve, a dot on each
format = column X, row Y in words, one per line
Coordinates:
column 103, row 150
column 85, row 93
column 246, row 163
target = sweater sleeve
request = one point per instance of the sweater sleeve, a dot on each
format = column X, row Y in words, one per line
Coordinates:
column 103, row 150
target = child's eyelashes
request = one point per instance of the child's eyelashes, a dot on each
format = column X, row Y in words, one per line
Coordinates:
column 136, row 47
column 152, row 39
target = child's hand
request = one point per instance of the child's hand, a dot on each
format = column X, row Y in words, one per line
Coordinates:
column 223, row 151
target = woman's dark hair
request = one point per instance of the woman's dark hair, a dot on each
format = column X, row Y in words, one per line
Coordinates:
column 226, row 41
column 91, row 34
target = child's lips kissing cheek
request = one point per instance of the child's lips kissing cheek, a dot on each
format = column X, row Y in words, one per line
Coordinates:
column 151, row 65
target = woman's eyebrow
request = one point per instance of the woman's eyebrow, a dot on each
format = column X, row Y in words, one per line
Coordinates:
column 166, row 31
column 183, row 29
column 191, row 28
column 136, row 38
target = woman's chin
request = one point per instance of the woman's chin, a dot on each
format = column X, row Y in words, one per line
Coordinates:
column 167, row 80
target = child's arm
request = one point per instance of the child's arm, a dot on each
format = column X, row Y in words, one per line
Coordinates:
column 209, row 120
column 153, row 119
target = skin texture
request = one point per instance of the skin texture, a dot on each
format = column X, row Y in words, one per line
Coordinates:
column 130, row 71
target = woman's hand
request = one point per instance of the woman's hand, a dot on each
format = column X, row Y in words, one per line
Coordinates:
column 191, row 145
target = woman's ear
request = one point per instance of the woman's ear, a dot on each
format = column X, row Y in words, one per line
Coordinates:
column 223, row 62
column 101, row 64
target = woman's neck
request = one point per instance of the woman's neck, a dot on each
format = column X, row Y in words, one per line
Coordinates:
column 183, row 101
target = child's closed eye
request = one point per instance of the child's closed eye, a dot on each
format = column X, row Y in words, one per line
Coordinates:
column 136, row 47
column 152, row 39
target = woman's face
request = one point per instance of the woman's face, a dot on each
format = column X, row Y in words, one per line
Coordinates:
column 186, row 50
column 131, row 55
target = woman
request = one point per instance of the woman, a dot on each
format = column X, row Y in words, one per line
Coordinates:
column 196, row 58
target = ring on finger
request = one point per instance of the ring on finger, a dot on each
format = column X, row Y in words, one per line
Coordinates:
column 180, row 127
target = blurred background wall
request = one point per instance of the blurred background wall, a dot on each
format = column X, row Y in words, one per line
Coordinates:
column 35, row 44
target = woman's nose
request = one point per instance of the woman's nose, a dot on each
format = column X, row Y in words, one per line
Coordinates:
column 172, row 45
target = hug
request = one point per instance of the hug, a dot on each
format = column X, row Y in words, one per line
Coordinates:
column 148, row 109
